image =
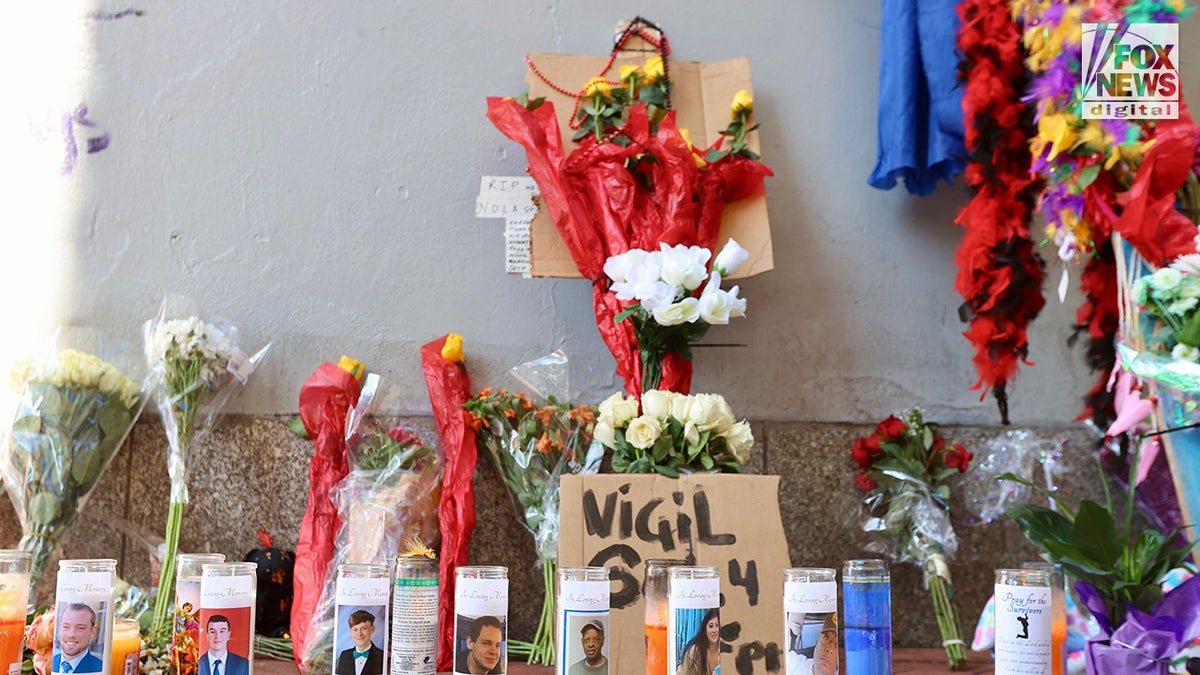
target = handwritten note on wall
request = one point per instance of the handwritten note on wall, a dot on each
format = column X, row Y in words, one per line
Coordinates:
column 510, row 198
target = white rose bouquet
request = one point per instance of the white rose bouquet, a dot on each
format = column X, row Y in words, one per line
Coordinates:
column 75, row 410
column 673, row 433
column 197, row 367
column 670, row 309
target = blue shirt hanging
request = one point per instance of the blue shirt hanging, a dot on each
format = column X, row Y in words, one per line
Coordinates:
column 920, row 101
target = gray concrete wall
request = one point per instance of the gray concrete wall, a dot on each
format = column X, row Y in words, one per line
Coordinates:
column 264, row 486
column 308, row 170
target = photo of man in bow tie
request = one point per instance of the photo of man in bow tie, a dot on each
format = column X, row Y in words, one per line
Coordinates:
column 364, row 658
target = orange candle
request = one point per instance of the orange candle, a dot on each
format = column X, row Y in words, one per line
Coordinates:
column 656, row 650
column 126, row 647
column 14, row 596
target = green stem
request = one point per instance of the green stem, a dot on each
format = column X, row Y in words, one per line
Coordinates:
column 542, row 649
column 651, row 369
column 948, row 622
column 164, row 603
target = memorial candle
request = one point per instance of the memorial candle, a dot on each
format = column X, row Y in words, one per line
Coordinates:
column 14, row 601
column 654, row 600
column 126, row 647
column 867, row 598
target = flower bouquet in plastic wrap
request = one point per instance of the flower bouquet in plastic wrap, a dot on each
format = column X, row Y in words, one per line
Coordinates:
column 197, row 367
column 673, row 433
column 532, row 446
column 74, row 410
column 905, row 464
column 388, row 498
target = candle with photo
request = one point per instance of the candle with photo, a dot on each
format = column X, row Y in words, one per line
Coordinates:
column 414, row 616
column 810, row 628
column 582, row 626
column 14, row 601
column 185, row 630
column 693, row 620
column 126, row 647
column 480, row 620
column 1024, row 622
column 867, row 598
column 83, row 598
column 360, row 620
column 227, row 603
column 654, row 600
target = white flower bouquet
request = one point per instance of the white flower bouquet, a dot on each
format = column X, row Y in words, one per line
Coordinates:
column 197, row 367
column 673, row 433
column 670, row 310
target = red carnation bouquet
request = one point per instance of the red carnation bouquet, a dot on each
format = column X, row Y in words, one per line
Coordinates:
column 905, row 464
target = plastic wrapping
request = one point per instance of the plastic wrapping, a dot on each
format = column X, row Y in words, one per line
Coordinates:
column 531, row 446
column 389, row 496
column 197, row 367
column 1018, row 452
column 74, row 411
column 326, row 399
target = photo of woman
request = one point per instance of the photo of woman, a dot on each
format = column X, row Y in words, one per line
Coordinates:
column 701, row 655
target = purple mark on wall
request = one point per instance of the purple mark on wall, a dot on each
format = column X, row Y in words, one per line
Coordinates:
column 94, row 143
column 112, row 16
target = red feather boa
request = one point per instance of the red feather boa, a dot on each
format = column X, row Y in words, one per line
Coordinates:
column 999, row 275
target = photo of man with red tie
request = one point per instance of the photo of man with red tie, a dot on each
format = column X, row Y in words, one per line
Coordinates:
column 364, row 658
column 218, row 660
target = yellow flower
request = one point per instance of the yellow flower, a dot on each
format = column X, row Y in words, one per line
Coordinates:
column 653, row 69
column 1057, row 129
column 452, row 351
column 20, row 374
column 687, row 137
column 629, row 70
column 741, row 103
column 352, row 366
column 597, row 86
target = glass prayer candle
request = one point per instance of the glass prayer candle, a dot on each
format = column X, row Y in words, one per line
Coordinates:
column 693, row 620
column 1058, row 613
column 654, row 599
column 582, row 626
column 185, row 629
column 867, row 601
column 810, row 628
column 83, row 630
column 414, row 616
column 14, row 604
column 1024, row 622
column 126, row 647
column 227, row 606
column 360, row 619
column 480, row 619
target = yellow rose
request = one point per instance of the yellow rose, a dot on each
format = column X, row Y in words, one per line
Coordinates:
column 653, row 69
column 352, row 366
column 597, row 86
column 643, row 432
column 452, row 350
column 630, row 70
column 741, row 103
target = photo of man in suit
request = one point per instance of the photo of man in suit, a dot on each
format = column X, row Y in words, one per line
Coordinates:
column 485, row 643
column 76, row 632
column 364, row 658
column 218, row 660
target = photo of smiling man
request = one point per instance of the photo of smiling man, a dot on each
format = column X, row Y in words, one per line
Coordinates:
column 77, row 631
column 591, row 644
column 482, row 652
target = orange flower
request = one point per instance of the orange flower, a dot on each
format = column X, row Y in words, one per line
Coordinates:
column 544, row 445
column 510, row 413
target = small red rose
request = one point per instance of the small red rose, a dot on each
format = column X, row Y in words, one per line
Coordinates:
column 892, row 427
column 861, row 454
column 958, row 458
column 864, row 482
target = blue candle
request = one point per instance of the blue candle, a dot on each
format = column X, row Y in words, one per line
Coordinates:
column 867, row 596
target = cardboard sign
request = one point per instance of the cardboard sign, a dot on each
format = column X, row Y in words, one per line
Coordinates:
column 701, row 95
column 620, row 520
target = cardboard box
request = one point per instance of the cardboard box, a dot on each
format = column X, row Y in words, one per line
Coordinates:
column 723, row 520
column 700, row 96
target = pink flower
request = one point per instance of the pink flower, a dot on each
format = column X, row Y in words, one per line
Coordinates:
column 40, row 640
